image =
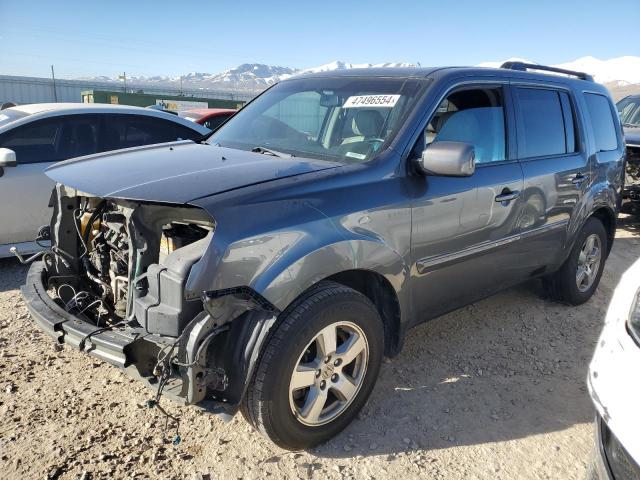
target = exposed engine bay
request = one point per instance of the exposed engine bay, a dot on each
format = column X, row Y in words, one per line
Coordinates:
column 119, row 263
column 115, row 284
column 631, row 192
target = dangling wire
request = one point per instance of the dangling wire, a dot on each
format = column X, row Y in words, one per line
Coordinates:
column 164, row 378
column 77, row 218
column 65, row 285
column 163, row 367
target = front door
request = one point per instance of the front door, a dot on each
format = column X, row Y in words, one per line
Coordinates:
column 24, row 189
column 464, row 228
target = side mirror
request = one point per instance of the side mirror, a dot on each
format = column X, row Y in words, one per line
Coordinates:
column 449, row 159
column 7, row 158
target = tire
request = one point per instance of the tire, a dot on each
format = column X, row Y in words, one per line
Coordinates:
column 297, row 344
column 592, row 472
column 563, row 285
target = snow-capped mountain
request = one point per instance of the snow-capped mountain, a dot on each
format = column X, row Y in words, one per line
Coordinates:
column 248, row 76
column 338, row 65
column 252, row 74
column 620, row 71
column 253, row 77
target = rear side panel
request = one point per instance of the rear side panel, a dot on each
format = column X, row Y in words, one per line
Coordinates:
column 606, row 162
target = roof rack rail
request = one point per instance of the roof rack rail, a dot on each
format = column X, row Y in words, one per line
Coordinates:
column 523, row 67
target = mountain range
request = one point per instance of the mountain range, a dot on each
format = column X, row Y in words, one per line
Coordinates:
column 248, row 76
column 621, row 70
column 616, row 72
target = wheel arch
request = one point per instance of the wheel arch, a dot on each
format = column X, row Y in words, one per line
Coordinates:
column 369, row 267
column 379, row 291
column 607, row 216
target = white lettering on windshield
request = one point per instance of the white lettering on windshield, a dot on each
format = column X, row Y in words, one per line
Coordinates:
column 359, row 101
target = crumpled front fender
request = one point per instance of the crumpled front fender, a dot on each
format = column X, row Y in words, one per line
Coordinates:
column 285, row 284
column 279, row 258
column 222, row 344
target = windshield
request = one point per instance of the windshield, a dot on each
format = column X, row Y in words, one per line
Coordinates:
column 347, row 120
column 629, row 109
column 10, row 115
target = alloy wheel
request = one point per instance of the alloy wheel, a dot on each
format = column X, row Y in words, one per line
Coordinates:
column 328, row 373
column 588, row 262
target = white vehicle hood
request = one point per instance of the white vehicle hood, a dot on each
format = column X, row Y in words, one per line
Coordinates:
column 614, row 380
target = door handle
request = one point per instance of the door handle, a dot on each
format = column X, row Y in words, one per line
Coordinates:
column 578, row 179
column 506, row 196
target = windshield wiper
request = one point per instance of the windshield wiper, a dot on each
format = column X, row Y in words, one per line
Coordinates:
column 274, row 153
column 632, row 125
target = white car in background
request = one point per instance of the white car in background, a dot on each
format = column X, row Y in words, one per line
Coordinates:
column 33, row 137
column 614, row 384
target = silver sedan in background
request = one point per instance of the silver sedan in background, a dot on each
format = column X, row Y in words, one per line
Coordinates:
column 33, row 137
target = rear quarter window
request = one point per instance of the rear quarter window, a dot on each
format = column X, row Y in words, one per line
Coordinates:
column 602, row 122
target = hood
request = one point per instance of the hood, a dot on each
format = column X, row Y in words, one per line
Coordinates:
column 632, row 135
column 176, row 172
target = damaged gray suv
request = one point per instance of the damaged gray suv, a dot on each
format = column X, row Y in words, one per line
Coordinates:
column 269, row 268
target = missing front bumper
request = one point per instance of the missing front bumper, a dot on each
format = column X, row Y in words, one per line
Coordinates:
column 247, row 319
column 109, row 345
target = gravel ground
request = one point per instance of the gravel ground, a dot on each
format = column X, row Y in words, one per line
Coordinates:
column 495, row 390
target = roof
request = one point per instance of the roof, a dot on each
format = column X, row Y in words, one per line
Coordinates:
column 47, row 107
column 423, row 72
column 36, row 111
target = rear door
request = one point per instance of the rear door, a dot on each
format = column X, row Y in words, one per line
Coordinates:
column 556, row 172
column 25, row 189
column 464, row 229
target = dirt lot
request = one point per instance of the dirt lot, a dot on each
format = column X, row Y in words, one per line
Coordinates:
column 495, row 390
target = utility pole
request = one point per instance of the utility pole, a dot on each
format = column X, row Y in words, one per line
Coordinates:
column 123, row 77
column 55, row 93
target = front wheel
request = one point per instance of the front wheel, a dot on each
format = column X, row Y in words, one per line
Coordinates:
column 317, row 369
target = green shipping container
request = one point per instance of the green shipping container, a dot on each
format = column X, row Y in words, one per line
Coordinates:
column 169, row 102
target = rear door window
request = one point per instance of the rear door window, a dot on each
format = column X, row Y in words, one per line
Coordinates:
column 78, row 136
column 546, row 125
column 601, row 118
column 125, row 131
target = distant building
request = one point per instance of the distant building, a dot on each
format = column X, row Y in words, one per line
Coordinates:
column 22, row 90
column 174, row 103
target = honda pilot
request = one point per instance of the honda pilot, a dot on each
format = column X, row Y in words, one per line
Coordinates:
column 269, row 268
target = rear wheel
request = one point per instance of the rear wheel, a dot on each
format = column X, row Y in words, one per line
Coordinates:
column 580, row 275
column 317, row 369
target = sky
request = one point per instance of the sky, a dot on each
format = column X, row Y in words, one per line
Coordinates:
column 143, row 37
